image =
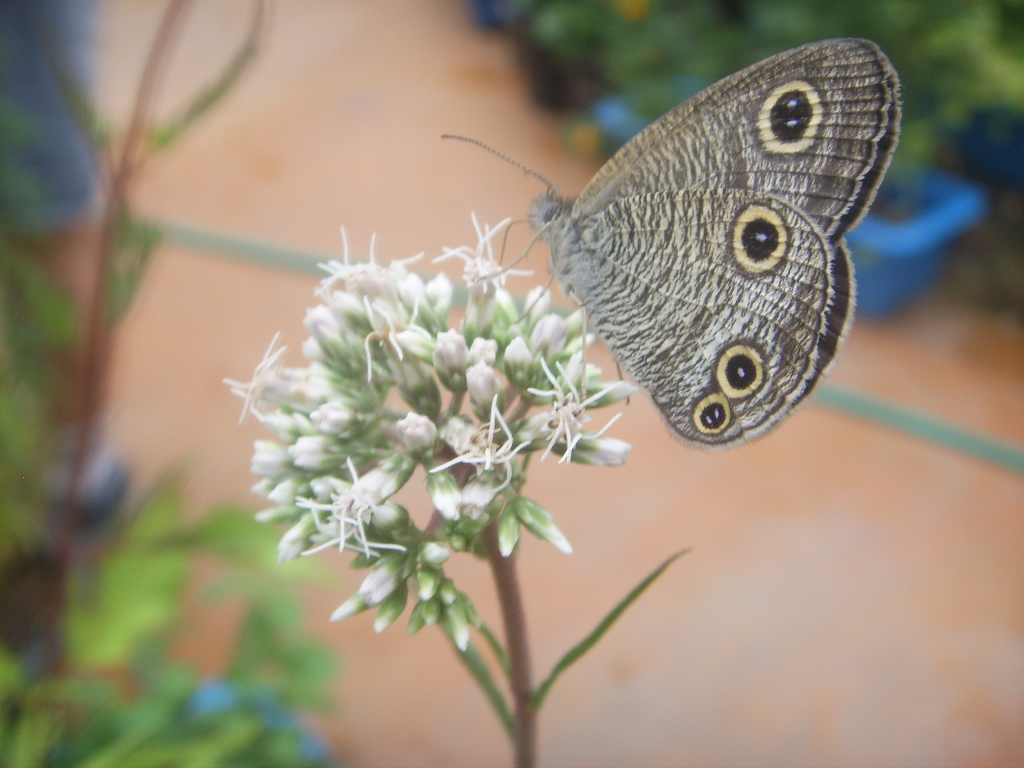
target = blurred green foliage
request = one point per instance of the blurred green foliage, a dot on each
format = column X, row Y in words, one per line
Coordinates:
column 953, row 56
column 114, row 605
column 122, row 702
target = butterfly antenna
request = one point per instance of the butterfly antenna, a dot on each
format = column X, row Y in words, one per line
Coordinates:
column 618, row 369
column 536, row 236
column 504, row 239
column 536, row 174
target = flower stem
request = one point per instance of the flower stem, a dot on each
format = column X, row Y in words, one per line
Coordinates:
column 514, row 618
column 97, row 339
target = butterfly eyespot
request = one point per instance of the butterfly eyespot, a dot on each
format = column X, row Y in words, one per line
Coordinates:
column 789, row 117
column 740, row 371
column 712, row 414
column 759, row 238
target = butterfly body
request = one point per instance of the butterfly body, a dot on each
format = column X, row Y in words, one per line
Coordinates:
column 709, row 251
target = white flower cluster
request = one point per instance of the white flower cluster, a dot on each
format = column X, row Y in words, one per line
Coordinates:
column 472, row 405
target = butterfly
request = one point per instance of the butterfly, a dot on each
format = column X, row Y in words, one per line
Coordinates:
column 709, row 251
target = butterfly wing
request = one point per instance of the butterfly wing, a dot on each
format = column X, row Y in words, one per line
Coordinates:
column 815, row 126
column 715, row 301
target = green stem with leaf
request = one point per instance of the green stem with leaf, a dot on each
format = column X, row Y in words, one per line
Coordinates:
column 520, row 720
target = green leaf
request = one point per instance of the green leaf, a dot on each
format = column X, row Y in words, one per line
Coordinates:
column 391, row 608
column 135, row 240
column 508, row 533
column 575, row 653
column 496, row 647
column 272, row 649
column 539, row 522
column 233, row 535
column 10, row 670
column 215, row 91
column 139, row 589
column 472, row 660
column 417, row 619
column 35, row 736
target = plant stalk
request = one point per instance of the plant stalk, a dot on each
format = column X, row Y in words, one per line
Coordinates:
column 97, row 340
column 513, row 616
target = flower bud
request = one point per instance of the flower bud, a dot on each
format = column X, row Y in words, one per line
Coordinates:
column 284, row 492
column 381, row 581
column 575, row 322
column 313, row 351
column 388, row 514
column 482, row 383
column 602, row 393
column 427, row 582
column 416, row 384
column 444, row 493
column 483, row 351
column 391, row 607
column 434, row 553
column 574, row 372
column 411, row 291
column 508, row 533
column 457, row 626
column 296, row 539
column 281, row 425
column 538, row 302
column 519, row 364
column 263, row 488
column 576, row 344
column 549, row 335
column 451, row 356
column 425, row 614
column 326, row 487
column 349, row 310
column 601, row 451
column 270, row 459
column 333, row 418
column 323, row 325
column 417, row 432
column 479, row 308
column 417, row 342
column 375, row 285
column 416, row 620
column 537, row 428
column 439, row 294
column 390, row 475
column 505, row 310
column 310, row 452
column 302, row 390
column 447, row 592
column 273, row 515
column 478, row 493
column 352, row 606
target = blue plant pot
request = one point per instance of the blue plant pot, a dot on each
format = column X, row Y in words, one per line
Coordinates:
column 897, row 261
column 215, row 695
column 490, row 14
column 616, row 119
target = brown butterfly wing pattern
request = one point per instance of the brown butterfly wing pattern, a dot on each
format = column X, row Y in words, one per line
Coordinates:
column 709, row 250
column 723, row 137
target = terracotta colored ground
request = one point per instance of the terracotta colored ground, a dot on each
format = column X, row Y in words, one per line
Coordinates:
column 854, row 597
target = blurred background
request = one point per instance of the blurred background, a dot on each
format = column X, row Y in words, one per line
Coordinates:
column 855, row 593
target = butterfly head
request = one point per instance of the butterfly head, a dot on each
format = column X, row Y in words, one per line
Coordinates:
column 546, row 209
